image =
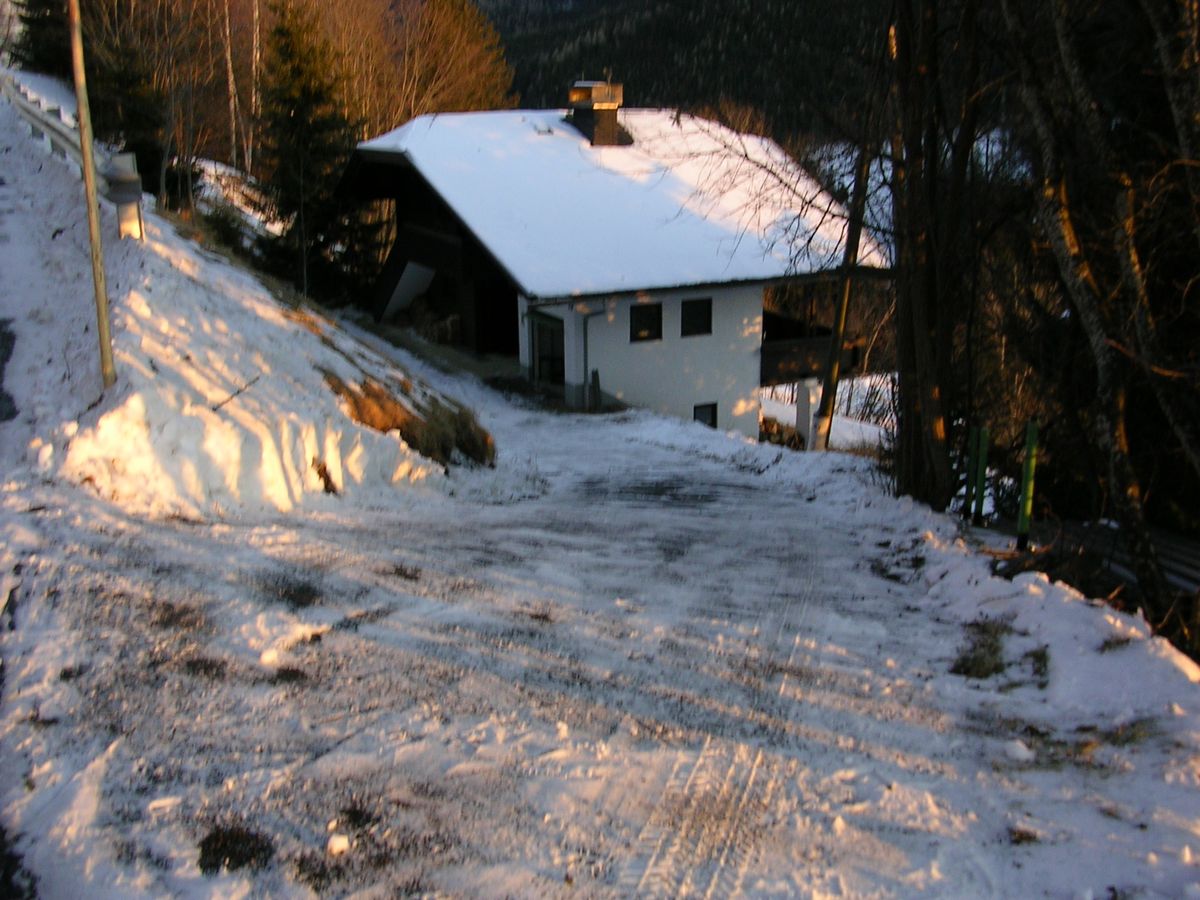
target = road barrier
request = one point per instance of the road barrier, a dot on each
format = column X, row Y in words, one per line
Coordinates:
column 116, row 173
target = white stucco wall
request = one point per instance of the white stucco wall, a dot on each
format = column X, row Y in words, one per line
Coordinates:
column 674, row 374
column 671, row 375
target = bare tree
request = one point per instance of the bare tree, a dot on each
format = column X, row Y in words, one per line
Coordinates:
column 239, row 26
column 231, row 87
column 1120, row 210
column 366, row 37
column 156, row 66
column 399, row 60
column 8, row 28
column 450, row 59
column 247, row 39
column 936, row 122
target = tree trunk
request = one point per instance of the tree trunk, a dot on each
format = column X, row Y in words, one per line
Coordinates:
column 1178, row 405
column 923, row 452
column 854, row 227
column 248, row 149
column 231, row 88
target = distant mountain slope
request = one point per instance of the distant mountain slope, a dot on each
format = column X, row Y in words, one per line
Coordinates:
column 785, row 59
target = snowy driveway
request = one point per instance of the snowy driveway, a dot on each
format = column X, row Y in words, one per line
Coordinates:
column 638, row 659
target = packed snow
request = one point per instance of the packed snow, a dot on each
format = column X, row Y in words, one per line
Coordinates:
column 637, row 658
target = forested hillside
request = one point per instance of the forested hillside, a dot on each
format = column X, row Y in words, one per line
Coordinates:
column 793, row 62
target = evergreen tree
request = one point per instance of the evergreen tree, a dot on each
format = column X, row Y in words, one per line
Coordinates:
column 43, row 41
column 306, row 138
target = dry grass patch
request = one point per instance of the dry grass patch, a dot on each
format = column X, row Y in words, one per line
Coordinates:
column 294, row 591
column 1019, row 834
column 435, row 428
column 983, row 655
column 307, row 320
column 232, row 847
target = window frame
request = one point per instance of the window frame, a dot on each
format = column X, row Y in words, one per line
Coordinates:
column 704, row 409
column 635, row 334
column 683, row 317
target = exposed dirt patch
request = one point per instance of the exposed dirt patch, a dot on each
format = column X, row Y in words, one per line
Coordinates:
column 983, row 654
column 15, row 882
column 233, row 847
column 8, row 409
column 435, row 428
column 205, row 667
column 294, row 591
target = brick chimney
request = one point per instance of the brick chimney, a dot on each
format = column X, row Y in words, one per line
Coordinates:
column 594, row 106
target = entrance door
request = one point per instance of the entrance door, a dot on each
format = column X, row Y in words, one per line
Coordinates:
column 548, row 346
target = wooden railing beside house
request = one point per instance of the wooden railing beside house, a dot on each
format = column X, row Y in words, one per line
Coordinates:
column 794, row 359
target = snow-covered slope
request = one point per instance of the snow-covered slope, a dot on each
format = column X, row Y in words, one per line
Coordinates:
column 222, row 404
column 637, row 658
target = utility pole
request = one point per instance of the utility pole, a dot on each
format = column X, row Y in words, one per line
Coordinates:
column 84, row 117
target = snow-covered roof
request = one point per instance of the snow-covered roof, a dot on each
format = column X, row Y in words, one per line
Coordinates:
column 690, row 202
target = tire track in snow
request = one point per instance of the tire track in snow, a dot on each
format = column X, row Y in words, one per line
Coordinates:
column 698, row 840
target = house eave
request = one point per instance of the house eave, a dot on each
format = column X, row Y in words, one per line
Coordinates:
column 356, row 182
column 860, row 272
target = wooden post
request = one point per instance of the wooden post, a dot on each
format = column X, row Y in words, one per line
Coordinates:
column 1026, row 511
column 980, row 475
column 107, row 373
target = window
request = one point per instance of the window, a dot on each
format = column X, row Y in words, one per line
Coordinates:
column 706, row 414
column 695, row 317
column 645, row 322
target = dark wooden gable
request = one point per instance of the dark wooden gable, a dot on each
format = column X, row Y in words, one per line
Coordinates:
column 470, row 288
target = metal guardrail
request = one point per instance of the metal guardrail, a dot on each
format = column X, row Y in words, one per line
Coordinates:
column 116, row 173
column 46, row 121
column 1179, row 556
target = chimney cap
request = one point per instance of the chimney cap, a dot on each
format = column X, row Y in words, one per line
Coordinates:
column 596, row 95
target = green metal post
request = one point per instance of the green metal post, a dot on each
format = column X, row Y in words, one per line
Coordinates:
column 1026, row 512
column 969, row 471
column 980, row 474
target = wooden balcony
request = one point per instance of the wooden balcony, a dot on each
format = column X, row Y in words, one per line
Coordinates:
column 794, row 359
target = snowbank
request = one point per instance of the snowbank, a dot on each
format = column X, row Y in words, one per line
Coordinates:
column 222, row 401
column 221, row 406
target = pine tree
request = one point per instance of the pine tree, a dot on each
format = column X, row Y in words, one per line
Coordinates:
column 43, row 44
column 306, row 138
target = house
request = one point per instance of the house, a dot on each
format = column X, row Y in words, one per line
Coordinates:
column 621, row 253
